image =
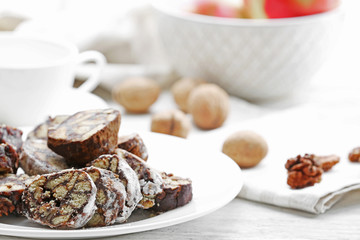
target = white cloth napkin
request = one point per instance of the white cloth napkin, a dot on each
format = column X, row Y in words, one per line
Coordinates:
column 288, row 134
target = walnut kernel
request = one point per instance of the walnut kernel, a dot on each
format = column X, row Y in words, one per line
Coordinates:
column 136, row 95
column 303, row 171
column 354, row 155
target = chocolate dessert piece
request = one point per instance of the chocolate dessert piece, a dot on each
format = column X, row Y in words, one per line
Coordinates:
column 60, row 200
column 11, row 189
column 177, row 192
column 37, row 158
column 41, row 131
column 128, row 177
column 134, row 144
column 150, row 180
column 85, row 135
column 12, row 136
column 9, row 159
column 110, row 196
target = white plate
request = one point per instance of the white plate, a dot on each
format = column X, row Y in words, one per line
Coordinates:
column 216, row 181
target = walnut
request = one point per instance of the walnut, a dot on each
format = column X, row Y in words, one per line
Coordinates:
column 172, row 122
column 303, row 171
column 354, row 155
column 246, row 148
column 326, row 162
column 181, row 91
column 209, row 106
column 136, row 95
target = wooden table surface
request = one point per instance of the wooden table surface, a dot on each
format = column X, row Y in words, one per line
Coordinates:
column 243, row 219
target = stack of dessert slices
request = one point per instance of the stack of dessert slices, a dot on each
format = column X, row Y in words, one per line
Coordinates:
column 80, row 173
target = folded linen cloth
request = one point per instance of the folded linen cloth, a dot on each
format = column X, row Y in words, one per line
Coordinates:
column 289, row 134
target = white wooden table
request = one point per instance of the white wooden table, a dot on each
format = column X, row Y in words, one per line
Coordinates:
column 242, row 219
column 336, row 94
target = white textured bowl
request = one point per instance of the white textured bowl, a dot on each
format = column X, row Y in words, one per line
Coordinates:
column 250, row 58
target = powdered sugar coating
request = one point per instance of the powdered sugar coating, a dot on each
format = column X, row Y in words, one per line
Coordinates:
column 150, row 180
column 132, row 188
column 110, row 199
column 37, row 158
column 128, row 177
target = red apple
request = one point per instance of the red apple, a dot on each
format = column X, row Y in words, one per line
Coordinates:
column 287, row 8
column 216, row 9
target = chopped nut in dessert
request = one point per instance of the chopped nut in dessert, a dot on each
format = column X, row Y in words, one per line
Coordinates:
column 12, row 136
column 9, row 159
column 11, row 189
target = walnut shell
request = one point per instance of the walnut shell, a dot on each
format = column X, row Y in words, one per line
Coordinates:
column 246, row 148
column 136, row 95
column 171, row 122
column 209, row 106
column 181, row 91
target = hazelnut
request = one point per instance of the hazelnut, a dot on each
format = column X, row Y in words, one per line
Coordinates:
column 246, row 148
column 136, row 95
column 172, row 122
column 208, row 105
column 181, row 91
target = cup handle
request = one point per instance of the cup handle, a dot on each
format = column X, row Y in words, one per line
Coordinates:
column 93, row 81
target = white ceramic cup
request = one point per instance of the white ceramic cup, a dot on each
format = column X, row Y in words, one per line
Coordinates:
column 34, row 72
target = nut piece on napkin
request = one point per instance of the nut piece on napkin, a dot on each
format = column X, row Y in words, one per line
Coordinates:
column 303, row 171
column 354, row 155
column 307, row 170
column 326, row 162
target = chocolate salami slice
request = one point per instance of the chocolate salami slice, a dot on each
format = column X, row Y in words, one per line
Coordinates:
column 60, row 200
column 110, row 196
column 12, row 136
column 11, row 189
column 41, row 131
column 9, row 159
column 150, row 180
column 85, row 135
column 177, row 192
column 133, row 143
column 128, row 177
column 36, row 158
